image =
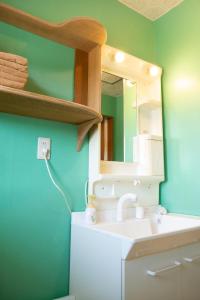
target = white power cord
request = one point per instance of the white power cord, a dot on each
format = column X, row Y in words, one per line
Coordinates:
column 54, row 183
column 86, row 193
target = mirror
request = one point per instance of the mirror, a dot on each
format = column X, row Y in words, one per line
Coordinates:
column 119, row 125
column 130, row 140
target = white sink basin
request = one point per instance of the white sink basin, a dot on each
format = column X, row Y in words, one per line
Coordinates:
column 135, row 229
column 146, row 236
column 173, row 223
column 130, row 228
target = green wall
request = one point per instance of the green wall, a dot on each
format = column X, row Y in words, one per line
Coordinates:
column 34, row 226
column 108, row 106
column 113, row 106
column 121, row 109
column 133, row 34
column 178, row 48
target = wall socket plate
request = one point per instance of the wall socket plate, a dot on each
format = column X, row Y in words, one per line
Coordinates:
column 43, row 144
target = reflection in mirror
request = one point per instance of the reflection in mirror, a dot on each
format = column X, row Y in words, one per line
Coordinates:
column 119, row 125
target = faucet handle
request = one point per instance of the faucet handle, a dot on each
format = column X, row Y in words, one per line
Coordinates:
column 136, row 182
column 161, row 210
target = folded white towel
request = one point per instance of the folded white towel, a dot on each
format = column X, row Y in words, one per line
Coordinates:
column 14, row 58
column 13, row 65
column 12, row 84
column 13, row 71
column 8, row 76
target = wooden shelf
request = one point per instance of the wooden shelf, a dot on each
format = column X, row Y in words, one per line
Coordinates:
column 86, row 36
column 30, row 104
column 80, row 33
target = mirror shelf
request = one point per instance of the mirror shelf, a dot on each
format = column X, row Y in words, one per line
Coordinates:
column 151, row 104
column 148, row 134
column 122, row 170
column 128, row 177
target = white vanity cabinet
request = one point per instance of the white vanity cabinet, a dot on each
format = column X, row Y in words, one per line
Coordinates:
column 105, row 265
column 173, row 281
column 138, row 285
column 190, row 272
column 95, row 265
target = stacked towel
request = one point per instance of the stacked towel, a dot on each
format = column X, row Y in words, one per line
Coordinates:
column 13, row 70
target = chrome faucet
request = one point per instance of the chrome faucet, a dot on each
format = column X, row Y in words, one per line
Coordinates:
column 125, row 198
column 161, row 211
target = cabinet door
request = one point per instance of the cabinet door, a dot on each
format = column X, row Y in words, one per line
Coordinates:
column 190, row 273
column 155, row 277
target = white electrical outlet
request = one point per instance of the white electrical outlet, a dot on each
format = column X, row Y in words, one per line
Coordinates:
column 44, row 144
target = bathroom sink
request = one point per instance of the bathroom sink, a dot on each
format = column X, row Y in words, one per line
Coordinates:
column 140, row 237
column 148, row 227
column 130, row 228
column 173, row 223
column 126, row 256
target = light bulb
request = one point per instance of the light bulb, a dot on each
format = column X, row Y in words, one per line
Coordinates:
column 119, row 57
column 154, row 71
column 129, row 83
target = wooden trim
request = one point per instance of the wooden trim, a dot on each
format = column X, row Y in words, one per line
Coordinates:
column 81, row 77
column 164, row 243
column 110, row 139
column 83, row 129
column 79, row 33
column 94, row 79
column 107, row 149
column 102, row 141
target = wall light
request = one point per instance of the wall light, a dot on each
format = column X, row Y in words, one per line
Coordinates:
column 184, row 83
column 129, row 83
column 154, row 71
column 119, row 57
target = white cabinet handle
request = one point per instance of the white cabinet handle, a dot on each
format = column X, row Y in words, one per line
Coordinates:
column 157, row 272
column 191, row 259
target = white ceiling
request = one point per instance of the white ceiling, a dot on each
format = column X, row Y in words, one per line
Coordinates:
column 111, row 85
column 151, row 9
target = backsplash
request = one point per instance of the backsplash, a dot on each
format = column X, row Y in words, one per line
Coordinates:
column 108, row 192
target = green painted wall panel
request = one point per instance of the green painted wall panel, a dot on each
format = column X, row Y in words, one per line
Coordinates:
column 178, row 48
column 108, row 105
column 113, row 106
column 34, row 226
column 133, row 34
column 50, row 65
